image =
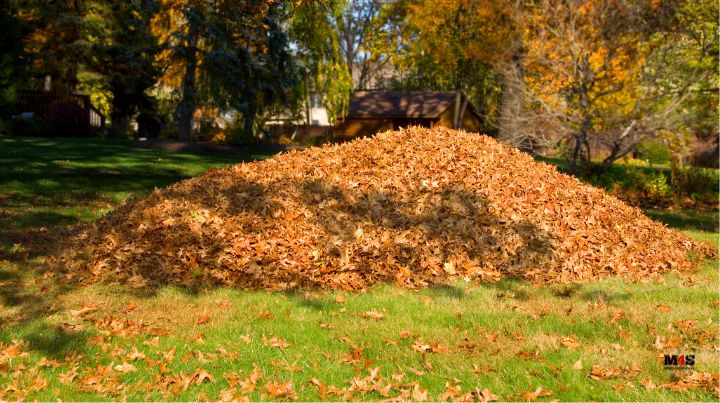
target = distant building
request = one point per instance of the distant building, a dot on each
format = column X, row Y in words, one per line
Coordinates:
column 375, row 111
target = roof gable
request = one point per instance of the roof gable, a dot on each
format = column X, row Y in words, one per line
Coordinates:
column 400, row 104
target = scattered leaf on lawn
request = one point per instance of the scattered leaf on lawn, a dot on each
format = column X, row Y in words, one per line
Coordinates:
column 281, row 390
column 275, row 342
column 125, row 367
column 372, row 315
column 84, row 310
column 201, row 320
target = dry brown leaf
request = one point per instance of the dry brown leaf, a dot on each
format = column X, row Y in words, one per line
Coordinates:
column 201, row 320
column 372, row 315
column 539, row 392
column 125, row 367
column 84, row 310
column 570, row 342
column 278, row 390
column 432, row 347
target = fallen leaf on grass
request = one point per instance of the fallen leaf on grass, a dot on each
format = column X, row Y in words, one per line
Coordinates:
column 663, row 308
column 432, row 347
column 135, row 355
column 450, row 393
column 406, row 334
column 198, row 377
column 578, row 364
column 372, row 315
column 694, row 379
column 68, row 377
column 125, row 367
column 539, row 392
column 275, row 342
column 201, row 320
column 526, row 355
column 277, row 390
column 648, row 383
column 416, row 371
column 130, row 306
column 231, row 395
column 485, row 396
column 686, row 326
column 84, row 310
column 419, row 394
column 266, row 314
column 44, row 362
column 570, row 342
column 154, row 342
column 322, row 389
column 484, row 370
column 617, row 316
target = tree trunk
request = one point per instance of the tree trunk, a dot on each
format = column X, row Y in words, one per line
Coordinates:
column 120, row 123
column 512, row 100
column 187, row 105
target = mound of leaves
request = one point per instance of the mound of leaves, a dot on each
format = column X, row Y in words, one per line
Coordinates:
column 412, row 207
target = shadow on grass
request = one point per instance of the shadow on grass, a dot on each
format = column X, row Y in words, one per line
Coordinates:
column 686, row 220
column 49, row 183
column 447, row 291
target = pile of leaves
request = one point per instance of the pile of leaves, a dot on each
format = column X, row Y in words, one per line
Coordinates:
column 413, row 207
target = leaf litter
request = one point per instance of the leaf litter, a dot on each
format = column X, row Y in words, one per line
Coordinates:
column 414, row 207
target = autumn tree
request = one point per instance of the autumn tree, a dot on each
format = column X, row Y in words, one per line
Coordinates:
column 324, row 70
column 596, row 73
column 56, row 42
column 355, row 25
column 459, row 45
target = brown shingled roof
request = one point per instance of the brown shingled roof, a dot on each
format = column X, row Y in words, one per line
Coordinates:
column 400, row 104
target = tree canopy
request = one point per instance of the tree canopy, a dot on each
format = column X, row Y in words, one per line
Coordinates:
column 569, row 74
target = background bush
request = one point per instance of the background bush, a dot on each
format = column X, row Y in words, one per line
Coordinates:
column 654, row 152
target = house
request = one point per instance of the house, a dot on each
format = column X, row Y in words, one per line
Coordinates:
column 375, row 111
column 71, row 115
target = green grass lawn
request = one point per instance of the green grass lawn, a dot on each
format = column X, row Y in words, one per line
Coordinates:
column 595, row 341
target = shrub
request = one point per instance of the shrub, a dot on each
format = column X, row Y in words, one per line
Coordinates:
column 34, row 126
column 656, row 184
column 694, row 180
column 654, row 152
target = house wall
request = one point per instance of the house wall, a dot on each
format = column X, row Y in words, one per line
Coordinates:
column 471, row 122
column 355, row 127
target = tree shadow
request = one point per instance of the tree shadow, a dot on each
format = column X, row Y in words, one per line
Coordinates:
column 447, row 291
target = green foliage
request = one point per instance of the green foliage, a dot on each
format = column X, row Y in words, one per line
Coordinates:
column 656, row 184
column 125, row 60
column 31, row 127
column 10, row 50
column 696, row 181
column 325, row 71
column 654, row 152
